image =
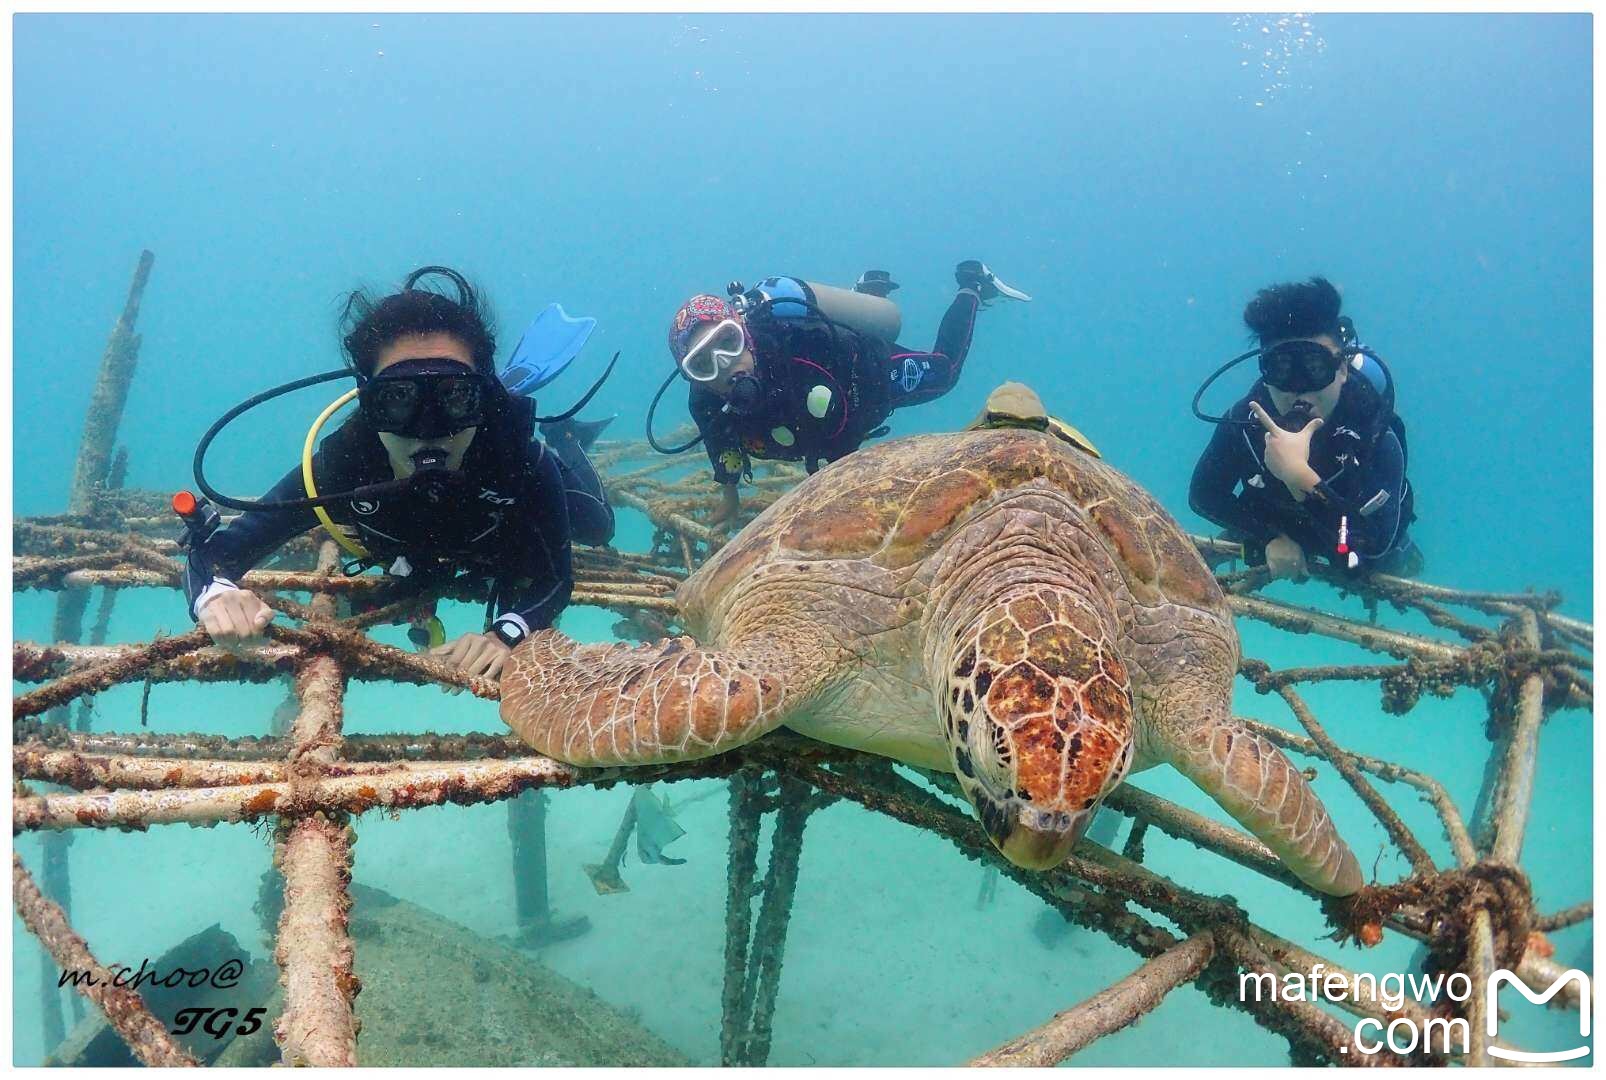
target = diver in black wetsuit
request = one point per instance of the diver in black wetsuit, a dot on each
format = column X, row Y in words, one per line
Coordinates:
column 773, row 376
column 1312, row 462
column 488, row 496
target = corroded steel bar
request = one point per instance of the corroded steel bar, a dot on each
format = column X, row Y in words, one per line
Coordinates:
column 1572, row 916
column 1421, row 861
column 1455, row 826
column 97, row 678
column 1357, row 997
column 1575, row 630
column 87, row 771
column 406, row 786
column 598, row 594
column 33, row 662
column 375, row 749
column 33, row 761
column 314, row 950
column 109, row 396
column 1185, row 824
column 125, row 1010
column 1325, row 1029
column 191, row 745
column 1481, row 962
column 365, row 659
column 1375, row 638
column 1537, row 971
column 1108, row 1011
column 1515, row 790
column 668, row 519
column 623, row 602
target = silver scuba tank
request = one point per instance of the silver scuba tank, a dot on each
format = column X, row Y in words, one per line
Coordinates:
column 874, row 316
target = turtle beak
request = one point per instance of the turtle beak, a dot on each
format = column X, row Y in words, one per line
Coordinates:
column 1034, row 849
column 1041, row 841
column 1029, row 836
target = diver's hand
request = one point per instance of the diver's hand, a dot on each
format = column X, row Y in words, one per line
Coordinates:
column 1288, row 452
column 1286, row 559
column 474, row 654
column 235, row 619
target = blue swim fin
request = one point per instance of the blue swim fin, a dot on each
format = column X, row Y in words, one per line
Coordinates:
column 548, row 346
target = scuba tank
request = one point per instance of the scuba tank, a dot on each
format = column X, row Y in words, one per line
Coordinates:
column 869, row 314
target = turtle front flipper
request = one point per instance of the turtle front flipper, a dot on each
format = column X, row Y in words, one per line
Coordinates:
column 1256, row 783
column 624, row 705
column 1038, row 713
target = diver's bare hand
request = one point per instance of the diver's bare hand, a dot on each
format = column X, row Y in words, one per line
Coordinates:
column 474, row 654
column 235, row 619
column 1286, row 559
column 1288, row 452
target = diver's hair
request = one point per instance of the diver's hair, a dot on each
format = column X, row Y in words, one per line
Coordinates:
column 1294, row 310
column 368, row 325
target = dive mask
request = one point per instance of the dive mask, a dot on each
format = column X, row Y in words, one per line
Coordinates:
column 1299, row 367
column 430, row 398
column 717, row 351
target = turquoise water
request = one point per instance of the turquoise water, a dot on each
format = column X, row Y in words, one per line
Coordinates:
column 1140, row 175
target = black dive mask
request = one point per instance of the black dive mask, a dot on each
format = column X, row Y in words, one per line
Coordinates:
column 746, row 394
column 1299, row 367
column 431, row 398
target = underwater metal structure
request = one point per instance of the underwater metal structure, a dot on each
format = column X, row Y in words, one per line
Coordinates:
column 312, row 782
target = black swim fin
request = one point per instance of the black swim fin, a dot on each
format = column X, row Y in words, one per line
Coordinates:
column 584, row 432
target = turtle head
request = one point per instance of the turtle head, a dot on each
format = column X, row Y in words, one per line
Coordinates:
column 1038, row 714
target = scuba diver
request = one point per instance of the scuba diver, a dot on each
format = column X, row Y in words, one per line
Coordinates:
column 1312, row 461
column 438, row 471
column 797, row 371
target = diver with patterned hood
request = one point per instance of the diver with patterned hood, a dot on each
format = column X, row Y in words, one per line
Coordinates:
column 793, row 370
column 439, row 471
column 1312, row 461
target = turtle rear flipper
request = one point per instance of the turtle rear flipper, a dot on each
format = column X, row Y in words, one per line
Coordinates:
column 648, row 704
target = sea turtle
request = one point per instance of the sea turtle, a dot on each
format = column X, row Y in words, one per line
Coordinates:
column 996, row 603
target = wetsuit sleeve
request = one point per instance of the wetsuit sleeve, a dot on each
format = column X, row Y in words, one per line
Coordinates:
column 537, row 588
column 247, row 540
column 720, row 439
column 1212, row 493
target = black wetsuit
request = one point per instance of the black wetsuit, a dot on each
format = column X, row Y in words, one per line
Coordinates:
column 867, row 378
column 508, row 515
column 1363, row 479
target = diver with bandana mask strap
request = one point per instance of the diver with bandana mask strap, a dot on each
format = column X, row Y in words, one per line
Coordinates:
column 1312, row 461
column 793, row 370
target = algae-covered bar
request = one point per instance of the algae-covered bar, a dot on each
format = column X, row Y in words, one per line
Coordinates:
column 342, row 952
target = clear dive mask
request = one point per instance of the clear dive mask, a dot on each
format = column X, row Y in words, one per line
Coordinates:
column 716, row 352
